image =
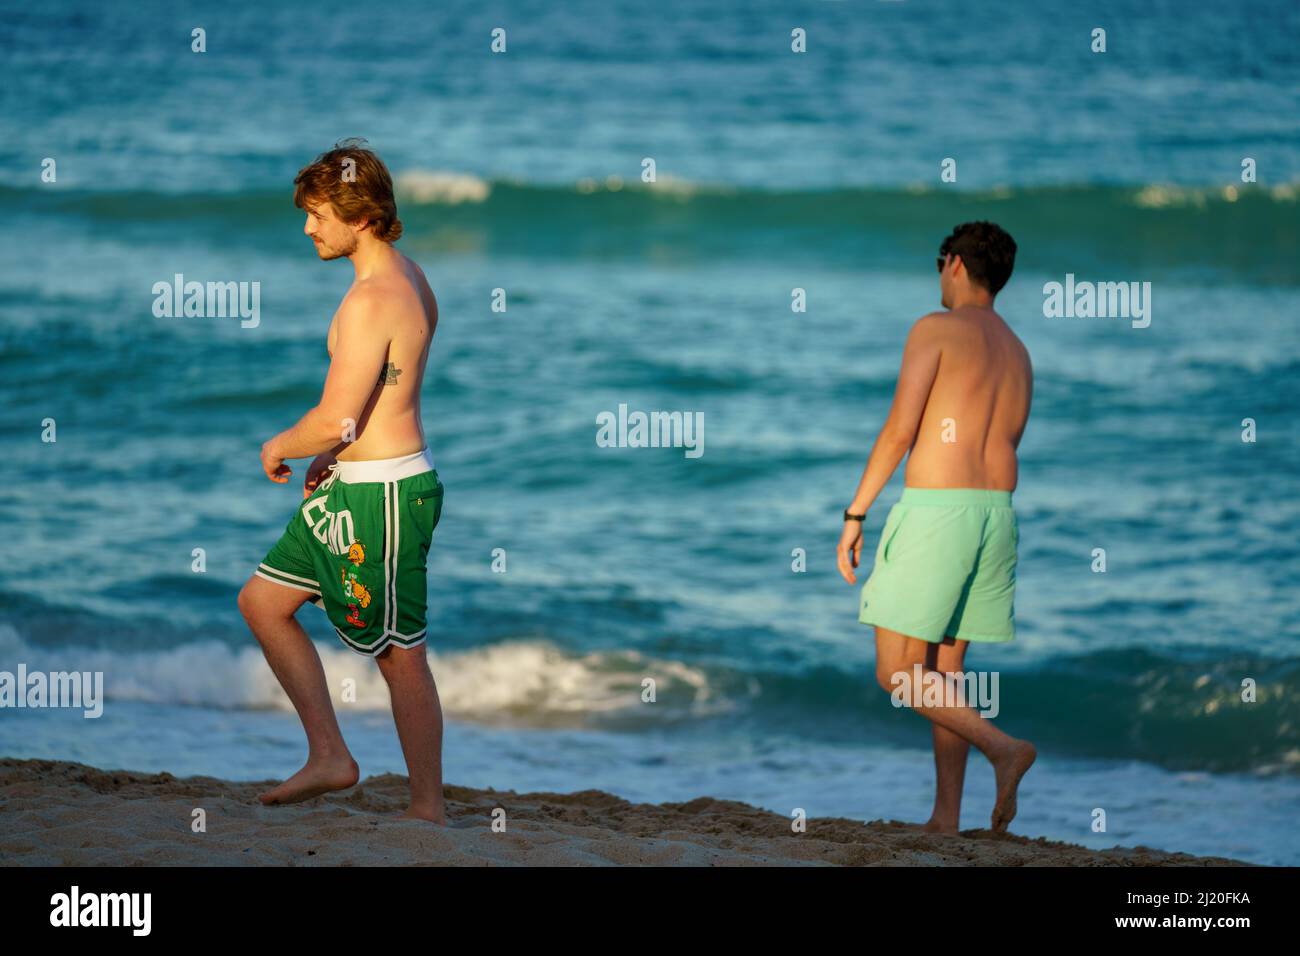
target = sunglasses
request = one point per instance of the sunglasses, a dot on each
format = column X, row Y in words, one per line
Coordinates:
column 941, row 261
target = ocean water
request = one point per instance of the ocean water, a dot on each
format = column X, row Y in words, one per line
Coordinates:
column 775, row 171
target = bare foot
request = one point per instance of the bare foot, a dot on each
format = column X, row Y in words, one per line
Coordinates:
column 423, row 813
column 317, row 777
column 938, row 826
column 1008, row 769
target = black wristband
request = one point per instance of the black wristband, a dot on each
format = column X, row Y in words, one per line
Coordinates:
column 851, row 517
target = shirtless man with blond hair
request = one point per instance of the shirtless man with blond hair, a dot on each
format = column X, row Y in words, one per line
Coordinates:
column 357, row 543
column 945, row 566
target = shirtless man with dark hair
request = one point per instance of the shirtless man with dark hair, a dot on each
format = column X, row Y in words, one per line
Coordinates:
column 945, row 567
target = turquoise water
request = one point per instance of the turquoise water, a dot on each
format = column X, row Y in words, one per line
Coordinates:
column 776, row 172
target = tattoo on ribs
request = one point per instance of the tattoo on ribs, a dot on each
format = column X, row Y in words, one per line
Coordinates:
column 388, row 374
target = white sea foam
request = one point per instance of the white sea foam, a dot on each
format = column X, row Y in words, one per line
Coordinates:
column 438, row 186
column 528, row 682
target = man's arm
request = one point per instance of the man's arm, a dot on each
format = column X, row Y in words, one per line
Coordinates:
column 359, row 354
column 915, row 377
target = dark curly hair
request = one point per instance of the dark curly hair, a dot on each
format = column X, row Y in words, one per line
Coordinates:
column 986, row 249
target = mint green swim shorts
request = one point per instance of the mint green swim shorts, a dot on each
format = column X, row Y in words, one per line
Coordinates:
column 946, row 566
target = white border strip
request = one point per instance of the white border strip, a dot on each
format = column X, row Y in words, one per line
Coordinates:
column 285, row 574
column 285, row 584
column 385, row 469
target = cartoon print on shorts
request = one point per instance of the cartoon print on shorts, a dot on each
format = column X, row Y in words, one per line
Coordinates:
column 357, row 554
column 353, row 589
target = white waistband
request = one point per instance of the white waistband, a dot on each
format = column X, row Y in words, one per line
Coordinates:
column 384, row 469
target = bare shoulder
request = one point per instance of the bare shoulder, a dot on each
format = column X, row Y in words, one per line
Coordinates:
column 360, row 312
column 932, row 323
column 365, row 298
column 933, row 328
column 382, row 301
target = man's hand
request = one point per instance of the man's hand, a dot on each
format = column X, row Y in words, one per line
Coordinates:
column 317, row 471
column 850, row 550
column 274, row 465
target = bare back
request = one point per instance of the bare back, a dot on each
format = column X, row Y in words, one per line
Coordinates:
column 402, row 309
column 977, row 406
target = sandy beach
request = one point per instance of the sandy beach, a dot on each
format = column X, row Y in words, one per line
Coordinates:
column 56, row 813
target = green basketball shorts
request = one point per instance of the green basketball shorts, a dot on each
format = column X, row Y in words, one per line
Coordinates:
column 946, row 566
column 359, row 545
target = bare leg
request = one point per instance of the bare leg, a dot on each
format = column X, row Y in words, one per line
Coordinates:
column 417, row 713
column 950, row 750
column 269, row 608
column 1010, row 757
